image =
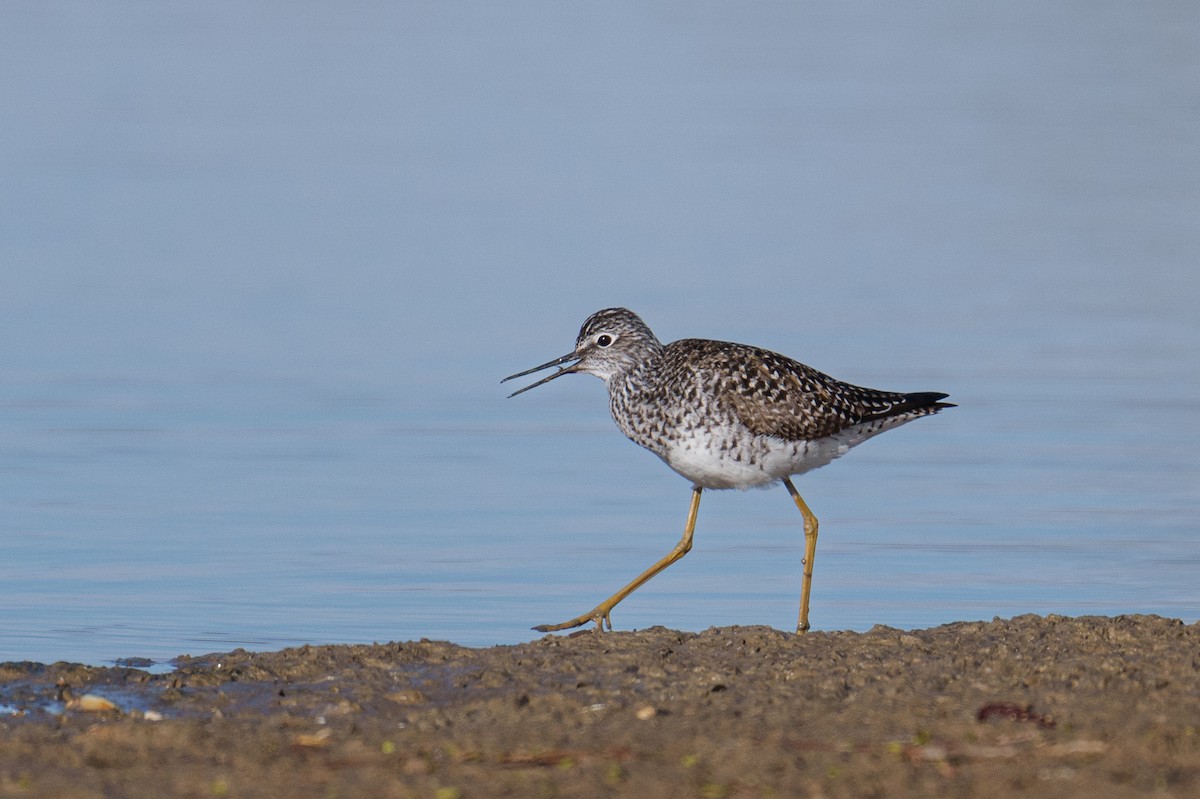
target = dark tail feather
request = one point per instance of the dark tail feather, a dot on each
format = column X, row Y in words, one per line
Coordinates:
column 923, row 400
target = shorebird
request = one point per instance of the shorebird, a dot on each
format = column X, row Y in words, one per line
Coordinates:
column 725, row 415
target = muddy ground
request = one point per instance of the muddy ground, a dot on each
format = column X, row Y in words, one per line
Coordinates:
column 1085, row 707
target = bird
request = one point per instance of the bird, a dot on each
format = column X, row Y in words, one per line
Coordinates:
column 725, row 415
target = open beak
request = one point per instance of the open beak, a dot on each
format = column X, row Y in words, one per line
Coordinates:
column 556, row 362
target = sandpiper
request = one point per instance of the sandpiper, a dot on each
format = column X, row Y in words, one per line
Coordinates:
column 725, row 415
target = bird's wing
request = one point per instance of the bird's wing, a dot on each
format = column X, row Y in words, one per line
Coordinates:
column 776, row 396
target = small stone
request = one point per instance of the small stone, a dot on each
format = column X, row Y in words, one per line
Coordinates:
column 407, row 696
column 91, row 703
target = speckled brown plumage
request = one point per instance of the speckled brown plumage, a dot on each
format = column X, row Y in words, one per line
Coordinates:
column 749, row 403
column 727, row 415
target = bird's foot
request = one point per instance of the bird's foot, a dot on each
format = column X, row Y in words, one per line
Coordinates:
column 598, row 615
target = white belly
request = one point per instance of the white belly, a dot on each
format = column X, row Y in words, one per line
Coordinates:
column 739, row 462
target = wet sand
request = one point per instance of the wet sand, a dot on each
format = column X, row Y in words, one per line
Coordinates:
column 1032, row 706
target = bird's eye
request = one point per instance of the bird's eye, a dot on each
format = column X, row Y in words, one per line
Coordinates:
column 604, row 340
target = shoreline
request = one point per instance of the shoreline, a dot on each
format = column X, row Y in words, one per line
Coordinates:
column 1031, row 706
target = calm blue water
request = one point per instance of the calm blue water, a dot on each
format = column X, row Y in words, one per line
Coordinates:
column 263, row 271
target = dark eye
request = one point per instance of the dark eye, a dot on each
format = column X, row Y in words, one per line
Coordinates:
column 604, row 340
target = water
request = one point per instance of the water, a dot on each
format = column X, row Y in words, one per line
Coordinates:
column 262, row 274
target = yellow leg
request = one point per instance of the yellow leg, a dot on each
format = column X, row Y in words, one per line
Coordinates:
column 600, row 613
column 810, row 552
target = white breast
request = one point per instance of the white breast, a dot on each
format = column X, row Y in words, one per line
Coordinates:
column 725, row 460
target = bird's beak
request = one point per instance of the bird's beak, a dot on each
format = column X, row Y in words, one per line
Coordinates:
column 556, row 362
